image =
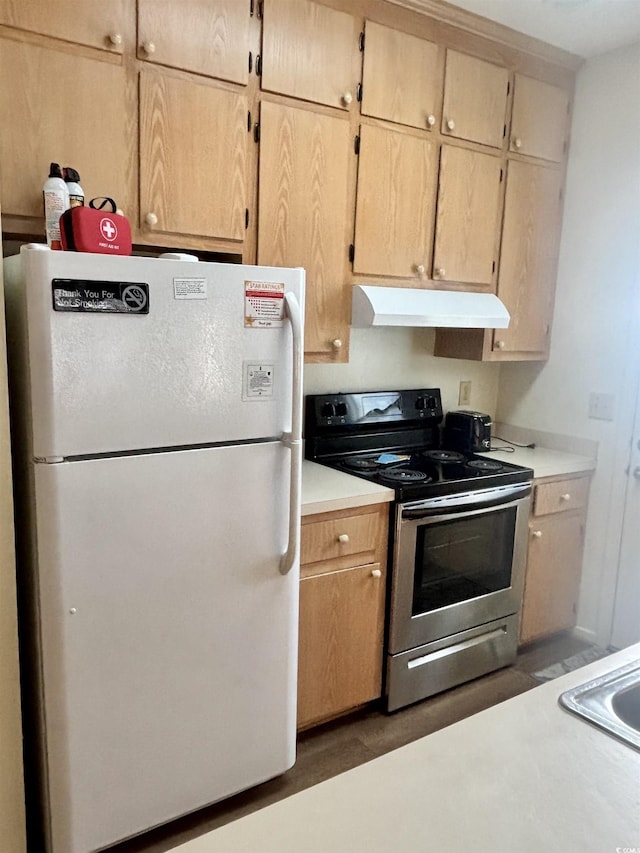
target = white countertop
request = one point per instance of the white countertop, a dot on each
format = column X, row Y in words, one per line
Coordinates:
column 525, row 776
column 325, row 490
column 544, row 462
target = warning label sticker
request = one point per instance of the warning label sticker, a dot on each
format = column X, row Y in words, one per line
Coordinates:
column 263, row 304
column 258, row 380
column 190, row 288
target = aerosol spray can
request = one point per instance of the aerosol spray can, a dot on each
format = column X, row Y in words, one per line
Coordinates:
column 76, row 193
column 56, row 200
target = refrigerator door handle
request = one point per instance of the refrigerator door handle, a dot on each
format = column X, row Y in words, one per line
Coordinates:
column 293, row 440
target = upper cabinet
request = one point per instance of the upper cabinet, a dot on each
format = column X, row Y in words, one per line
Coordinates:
column 93, row 23
column 78, row 129
column 467, row 217
column 539, row 127
column 395, row 203
column 401, row 77
column 309, row 52
column 204, row 38
column 193, row 158
column 475, row 100
column 529, row 257
column 302, row 215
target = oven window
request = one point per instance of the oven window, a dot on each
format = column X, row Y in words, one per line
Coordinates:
column 463, row 558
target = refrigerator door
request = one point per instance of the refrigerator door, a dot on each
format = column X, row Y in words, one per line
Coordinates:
column 168, row 635
column 198, row 353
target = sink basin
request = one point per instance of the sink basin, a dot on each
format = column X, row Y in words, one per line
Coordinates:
column 611, row 702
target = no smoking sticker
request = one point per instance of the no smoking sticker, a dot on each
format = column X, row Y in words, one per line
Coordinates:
column 263, row 304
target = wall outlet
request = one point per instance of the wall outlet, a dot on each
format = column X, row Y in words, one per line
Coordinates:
column 464, row 394
column 601, row 406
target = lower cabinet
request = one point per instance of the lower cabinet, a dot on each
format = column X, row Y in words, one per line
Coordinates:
column 342, row 607
column 554, row 557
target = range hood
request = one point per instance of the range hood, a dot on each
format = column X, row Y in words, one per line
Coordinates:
column 404, row 306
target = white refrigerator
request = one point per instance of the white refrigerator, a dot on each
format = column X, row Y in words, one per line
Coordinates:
column 157, row 419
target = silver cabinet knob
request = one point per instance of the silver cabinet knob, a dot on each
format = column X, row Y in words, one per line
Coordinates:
column 565, row 497
column 439, row 272
column 115, row 39
column 636, row 472
column 421, row 269
column 151, row 219
column 500, row 344
column 431, row 119
column 451, row 125
column 336, row 344
column 148, row 47
column 537, row 534
column 347, row 98
column 517, row 142
column 376, row 573
column 343, row 538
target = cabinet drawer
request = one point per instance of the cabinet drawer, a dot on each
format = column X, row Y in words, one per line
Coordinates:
column 339, row 536
column 560, row 496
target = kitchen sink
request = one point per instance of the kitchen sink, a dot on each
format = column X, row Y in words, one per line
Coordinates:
column 611, row 702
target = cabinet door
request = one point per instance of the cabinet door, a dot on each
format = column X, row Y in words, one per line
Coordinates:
column 529, row 257
column 193, row 158
column 552, row 582
column 302, row 215
column 340, row 643
column 394, row 207
column 203, row 37
column 401, row 77
column 540, row 121
column 475, row 99
column 467, row 216
column 90, row 22
column 308, row 52
column 65, row 121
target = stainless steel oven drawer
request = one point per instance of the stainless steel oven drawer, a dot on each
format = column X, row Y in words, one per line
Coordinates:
column 442, row 664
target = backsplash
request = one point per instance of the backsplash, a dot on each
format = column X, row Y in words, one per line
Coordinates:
column 395, row 358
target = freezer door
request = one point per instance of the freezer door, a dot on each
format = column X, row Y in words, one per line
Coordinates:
column 201, row 354
column 168, row 635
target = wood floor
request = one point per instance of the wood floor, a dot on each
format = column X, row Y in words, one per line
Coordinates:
column 336, row 747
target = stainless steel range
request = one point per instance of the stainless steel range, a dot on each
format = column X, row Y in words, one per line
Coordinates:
column 459, row 532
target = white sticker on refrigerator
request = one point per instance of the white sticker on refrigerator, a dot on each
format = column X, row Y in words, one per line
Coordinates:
column 258, row 380
column 189, row 288
column 263, row 304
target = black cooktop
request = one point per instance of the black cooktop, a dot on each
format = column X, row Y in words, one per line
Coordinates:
column 393, row 438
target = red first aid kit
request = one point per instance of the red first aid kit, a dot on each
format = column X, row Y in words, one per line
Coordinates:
column 95, row 229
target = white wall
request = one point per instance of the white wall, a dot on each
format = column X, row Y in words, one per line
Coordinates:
column 393, row 359
column 596, row 331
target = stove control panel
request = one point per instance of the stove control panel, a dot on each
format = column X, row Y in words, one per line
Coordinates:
column 372, row 409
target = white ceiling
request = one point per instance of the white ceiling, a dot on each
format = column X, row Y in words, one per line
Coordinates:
column 584, row 27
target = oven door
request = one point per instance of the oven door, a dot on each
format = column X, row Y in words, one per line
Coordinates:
column 458, row 562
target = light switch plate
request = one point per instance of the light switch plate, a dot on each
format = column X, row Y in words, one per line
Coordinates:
column 464, row 394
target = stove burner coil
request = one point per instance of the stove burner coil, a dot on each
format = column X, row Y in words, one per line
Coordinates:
column 361, row 464
column 484, row 465
column 403, row 475
column 443, row 456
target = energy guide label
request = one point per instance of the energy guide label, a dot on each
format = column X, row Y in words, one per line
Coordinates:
column 263, row 304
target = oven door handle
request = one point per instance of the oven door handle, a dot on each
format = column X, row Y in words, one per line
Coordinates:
column 481, row 499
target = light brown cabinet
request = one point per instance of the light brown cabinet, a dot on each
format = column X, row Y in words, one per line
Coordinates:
column 193, row 159
column 94, row 23
column 554, row 557
column 540, row 119
column 342, row 604
column 401, row 77
column 308, row 52
column 475, row 99
column 204, row 38
column 394, row 204
column 302, row 215
column 54, row 113
column 467, row 222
